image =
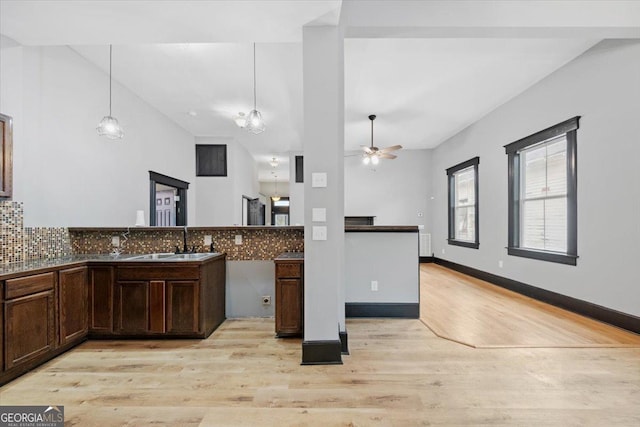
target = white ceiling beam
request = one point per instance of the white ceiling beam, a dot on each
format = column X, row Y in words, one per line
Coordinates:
column 491, row 19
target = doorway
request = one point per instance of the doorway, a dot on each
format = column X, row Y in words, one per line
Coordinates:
column 280, row 211
column 167, row 201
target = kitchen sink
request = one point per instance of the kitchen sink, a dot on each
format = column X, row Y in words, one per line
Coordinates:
column 171, row 257
column 151, row 257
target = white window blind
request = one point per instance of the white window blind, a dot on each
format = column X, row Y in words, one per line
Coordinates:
column 543, row 195
column 465, row 202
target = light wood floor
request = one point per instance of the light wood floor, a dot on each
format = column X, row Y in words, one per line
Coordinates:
column 398, row 374
column 470, row 311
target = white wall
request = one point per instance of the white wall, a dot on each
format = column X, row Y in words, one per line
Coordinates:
column 66, row 174
column 602, row 86
column 391, row 259
column 395, row 191
column 219, row 198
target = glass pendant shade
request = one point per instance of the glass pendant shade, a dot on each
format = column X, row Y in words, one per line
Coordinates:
column 275, row 198
column 366, row 159
column 255, row 124
column 110, row 128
column 274, row 162
column 241, row 120
column 375, row 160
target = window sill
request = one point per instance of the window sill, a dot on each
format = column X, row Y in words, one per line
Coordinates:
column 544, row 255
column 473, row 245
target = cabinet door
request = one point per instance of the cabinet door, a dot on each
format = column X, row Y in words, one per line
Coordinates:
column 132, row 307
column 72, row 298
column 183, row 304
column 101, row 286
column 288, row 307
column 29, row 328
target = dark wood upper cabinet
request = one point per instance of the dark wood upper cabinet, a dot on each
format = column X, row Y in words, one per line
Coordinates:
column 6, row 160
column 299, row 169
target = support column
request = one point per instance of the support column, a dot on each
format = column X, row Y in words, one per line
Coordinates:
column 323, row 78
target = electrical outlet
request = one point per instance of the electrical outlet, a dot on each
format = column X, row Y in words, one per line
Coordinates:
column 420, row 214
column 442, row 251
column 266, row 300
column 115, row 241
column 500, row 264
column 374, row 285
column 238, row 239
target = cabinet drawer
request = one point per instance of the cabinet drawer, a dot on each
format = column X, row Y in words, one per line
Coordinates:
column 157, row 273
column 288, row 269
column 22, row 286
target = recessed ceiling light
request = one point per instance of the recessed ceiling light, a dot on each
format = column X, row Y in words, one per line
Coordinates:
column 192, row 113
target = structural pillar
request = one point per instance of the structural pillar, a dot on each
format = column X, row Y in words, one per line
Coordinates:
column 323, row 83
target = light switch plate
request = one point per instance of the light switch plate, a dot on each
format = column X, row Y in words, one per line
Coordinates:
column 115, row 241
column 319, row 179
column 238, row 239
column 207, row 240
column 319, row 214
column 319, row 232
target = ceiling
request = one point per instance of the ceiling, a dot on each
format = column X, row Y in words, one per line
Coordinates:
column 192, row 60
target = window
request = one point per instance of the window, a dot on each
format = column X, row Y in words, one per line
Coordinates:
column 463, row 204
column 542, row 194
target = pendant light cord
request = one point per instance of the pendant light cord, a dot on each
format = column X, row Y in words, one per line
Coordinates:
column 254, row 76
column 110, row 61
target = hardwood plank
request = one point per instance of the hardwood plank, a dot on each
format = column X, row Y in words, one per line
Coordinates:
column 476, row 313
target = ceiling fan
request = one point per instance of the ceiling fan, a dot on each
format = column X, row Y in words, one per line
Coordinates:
column 374, row 154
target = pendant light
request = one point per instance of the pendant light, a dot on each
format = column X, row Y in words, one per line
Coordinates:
column 254, row 124
column 241, row 120
column 275, row 196
column 274, row 162
column 109, row 125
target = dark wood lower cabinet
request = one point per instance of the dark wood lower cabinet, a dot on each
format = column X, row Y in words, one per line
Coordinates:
column 289, row 295
column 48, row 313
column 72, row 305
column 29, row 328
column 101, row 287
column 183, row 302
column 132, row 308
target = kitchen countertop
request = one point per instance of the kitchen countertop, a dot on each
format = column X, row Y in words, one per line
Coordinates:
column 35, row 266
column 288, row 256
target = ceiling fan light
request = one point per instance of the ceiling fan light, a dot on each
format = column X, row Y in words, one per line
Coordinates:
column 366, row 160
column 255, row 124
column 241, row 120
column 375, row 160
column 110, row 128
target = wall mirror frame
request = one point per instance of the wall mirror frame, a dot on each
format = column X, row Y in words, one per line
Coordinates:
column 6, row 152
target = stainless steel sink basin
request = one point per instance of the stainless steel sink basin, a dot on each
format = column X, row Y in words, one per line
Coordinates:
column 192, row 256
column 151, row 257
column 171, row 257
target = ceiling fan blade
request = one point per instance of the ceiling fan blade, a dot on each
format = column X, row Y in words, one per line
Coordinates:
column 392, row 148
column 387, row 156
column 366, row 149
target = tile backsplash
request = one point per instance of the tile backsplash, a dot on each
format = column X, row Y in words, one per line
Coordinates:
column 19, row 243
column 257, row 244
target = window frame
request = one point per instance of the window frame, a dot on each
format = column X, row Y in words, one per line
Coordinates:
column 569, row 129
column 451, row 239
